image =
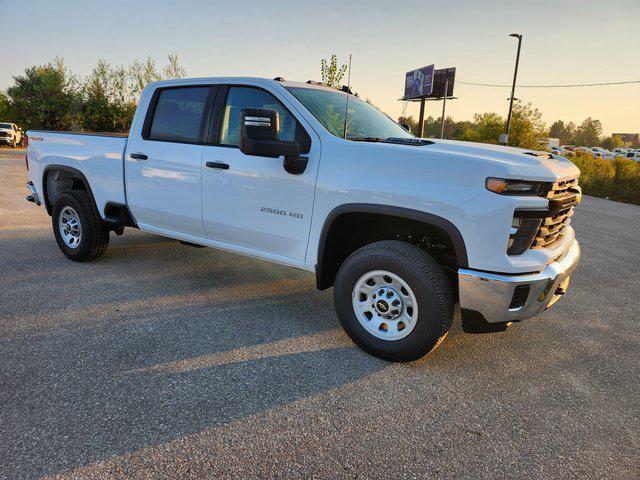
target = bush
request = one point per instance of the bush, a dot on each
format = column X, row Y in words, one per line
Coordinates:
column 617, row 179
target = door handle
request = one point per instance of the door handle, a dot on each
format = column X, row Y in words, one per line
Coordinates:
column 223, row 166
column 138, row 156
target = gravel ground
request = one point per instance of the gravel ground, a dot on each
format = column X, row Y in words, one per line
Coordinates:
column 160, row 360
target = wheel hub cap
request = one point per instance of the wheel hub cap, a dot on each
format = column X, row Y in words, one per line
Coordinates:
column 385, row 305
column 70, row 227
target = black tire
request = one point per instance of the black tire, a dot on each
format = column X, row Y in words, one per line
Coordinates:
column 430, row 286
column 94, row 238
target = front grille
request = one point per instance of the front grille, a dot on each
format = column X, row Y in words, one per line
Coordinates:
column 5, row 134
column 562, row 196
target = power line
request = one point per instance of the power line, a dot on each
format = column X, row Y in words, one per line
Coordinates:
column 549, row 86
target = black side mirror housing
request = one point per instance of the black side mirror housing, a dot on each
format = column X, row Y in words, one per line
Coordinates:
column 406, row 126
column 259, row 136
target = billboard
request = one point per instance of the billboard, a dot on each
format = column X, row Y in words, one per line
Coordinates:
column 440, row 78
column 418, row 83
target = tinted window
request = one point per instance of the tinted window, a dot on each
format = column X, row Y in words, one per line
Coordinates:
column 178, row 114
column 245, row 97
column 5, row 125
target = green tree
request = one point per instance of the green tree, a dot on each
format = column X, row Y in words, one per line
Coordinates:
column 527, row 127
column 487, row 128
column 173, row 69
column 98, row 109
column 4, row 107
column 562, row 131
column 46, row 97
column 141, row 74
column 412, row 122
column 332, row 74
column 611, row 142
column 588, row 133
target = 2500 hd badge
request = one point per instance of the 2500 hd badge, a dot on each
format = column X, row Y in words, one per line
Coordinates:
column 275, row 211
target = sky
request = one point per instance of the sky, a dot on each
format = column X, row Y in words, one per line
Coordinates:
column 565, row 42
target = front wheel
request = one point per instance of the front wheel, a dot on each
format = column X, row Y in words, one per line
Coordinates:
column 77, row 226
column 394, row 300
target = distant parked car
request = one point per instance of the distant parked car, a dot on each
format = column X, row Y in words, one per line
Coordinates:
column 634, row 155
column 559, row 151
column 10, row 134
column 602, row 153
column 622, row 152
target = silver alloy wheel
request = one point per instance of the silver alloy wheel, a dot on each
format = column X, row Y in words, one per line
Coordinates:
column 385, row 305
column 70, row 227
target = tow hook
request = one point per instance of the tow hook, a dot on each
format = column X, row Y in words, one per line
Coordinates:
column 562, row 288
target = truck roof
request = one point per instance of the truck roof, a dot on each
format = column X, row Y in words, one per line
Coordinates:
column 256, row 80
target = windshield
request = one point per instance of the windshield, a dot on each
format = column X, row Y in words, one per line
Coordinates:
column 5, row 125
column 364, row 120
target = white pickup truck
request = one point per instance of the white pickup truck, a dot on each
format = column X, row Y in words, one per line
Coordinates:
column 401, row 227
column 10, row 134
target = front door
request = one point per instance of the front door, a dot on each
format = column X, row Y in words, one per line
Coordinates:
column 163, row 164
column 251, row 202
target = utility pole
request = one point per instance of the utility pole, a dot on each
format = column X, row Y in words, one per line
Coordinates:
column 421, row 119
column 444, row 104
column 513, row 87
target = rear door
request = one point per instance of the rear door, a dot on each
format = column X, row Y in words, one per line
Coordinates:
column 164, row 172
column 251, row 202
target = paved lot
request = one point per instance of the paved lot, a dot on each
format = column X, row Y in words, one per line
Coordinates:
column 162, row 360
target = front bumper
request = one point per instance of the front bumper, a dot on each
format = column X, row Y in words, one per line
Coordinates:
column 500, row 298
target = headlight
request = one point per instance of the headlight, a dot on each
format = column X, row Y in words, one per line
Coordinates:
column 504, row 186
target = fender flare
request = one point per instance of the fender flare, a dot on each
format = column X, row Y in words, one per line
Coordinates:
column 427, row 218
column 63, row 168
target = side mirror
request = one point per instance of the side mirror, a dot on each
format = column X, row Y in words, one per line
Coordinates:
column 406, row 127
column 259, row 136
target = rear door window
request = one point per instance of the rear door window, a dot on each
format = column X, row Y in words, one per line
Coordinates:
column 178, row 114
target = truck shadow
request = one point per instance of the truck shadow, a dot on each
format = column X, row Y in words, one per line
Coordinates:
column 157, row 341
column 152, row 344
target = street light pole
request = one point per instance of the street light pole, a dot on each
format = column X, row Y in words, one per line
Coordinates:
column 513, row 87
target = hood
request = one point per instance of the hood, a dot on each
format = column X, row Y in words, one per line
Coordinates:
column 528, row 164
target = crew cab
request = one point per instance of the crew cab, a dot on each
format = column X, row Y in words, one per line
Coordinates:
column 10, row 134
column 313, row 177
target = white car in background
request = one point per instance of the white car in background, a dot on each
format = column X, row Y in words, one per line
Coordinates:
column 559, row 151
column 599, row 152
column 10, row 134
column 622, row 152
column 633, row 155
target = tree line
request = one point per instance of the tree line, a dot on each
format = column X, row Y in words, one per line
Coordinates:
column 527, row 129
column 51, row 97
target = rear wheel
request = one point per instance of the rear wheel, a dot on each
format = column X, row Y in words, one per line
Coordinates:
column 394, row 300
column 77, row 226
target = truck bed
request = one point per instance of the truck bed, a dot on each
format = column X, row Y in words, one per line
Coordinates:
column 98, row 156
